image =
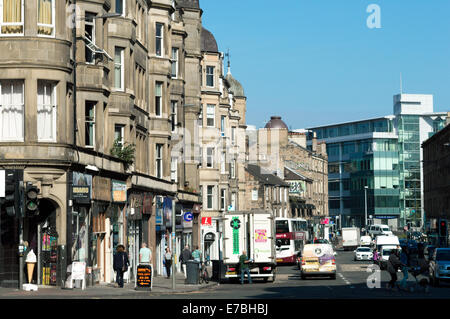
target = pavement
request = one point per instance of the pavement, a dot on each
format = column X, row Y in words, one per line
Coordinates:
column 161, row 286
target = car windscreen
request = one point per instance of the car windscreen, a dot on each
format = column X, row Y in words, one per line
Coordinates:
column 443, row 255
column 363, row 250
column 282, row 226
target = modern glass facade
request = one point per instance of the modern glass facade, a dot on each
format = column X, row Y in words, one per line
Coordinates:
column 383, row 154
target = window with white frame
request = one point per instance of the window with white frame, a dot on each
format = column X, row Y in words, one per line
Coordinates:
column 209, row 76
column 222, row 125
column 158, row 98
column 46, row 111
column 233, row 168
column 11, row 17
column 174, row 63
column 119, row 68
column 89, row 33
column 119, row 133
column 89, row 138
column 159, row 160
column 173, row 116
column 46, row 17
column 210, row 157
column 159, row 40
column 200, row 148
column 174, row 169
column 120, row 7
column 223, row 198
column 233, row 200
column 12, row 110
column 210, row 196
column 210, row 115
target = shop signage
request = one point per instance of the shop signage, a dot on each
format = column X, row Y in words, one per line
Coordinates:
column 81, row 187
column 78, row 270
column 210, row 237
column 144, row 277
column 206, row 221
column 147, row 204
column 324, row 221
column 188, row 218
column 297, row 187
column 119, row 191
column 101, row 188
column 167, row 205
column 159, row 211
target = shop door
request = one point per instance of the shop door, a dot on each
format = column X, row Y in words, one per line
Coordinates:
column 48, row 251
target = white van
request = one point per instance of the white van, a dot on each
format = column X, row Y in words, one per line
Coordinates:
column 385, row 244
column 376, row 230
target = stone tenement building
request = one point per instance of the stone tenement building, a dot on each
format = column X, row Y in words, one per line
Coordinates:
column 436, row 178
column 99, row 108
column 284, row 154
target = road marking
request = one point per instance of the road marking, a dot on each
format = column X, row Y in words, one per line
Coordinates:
column 345, row 280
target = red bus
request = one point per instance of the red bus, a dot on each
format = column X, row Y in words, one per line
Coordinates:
column 291, row 235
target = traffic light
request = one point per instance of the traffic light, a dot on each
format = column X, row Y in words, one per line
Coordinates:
column 10, row 204
column 31, row 199
column 443, row 228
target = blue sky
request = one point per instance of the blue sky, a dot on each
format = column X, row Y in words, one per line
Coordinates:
column 316, row 62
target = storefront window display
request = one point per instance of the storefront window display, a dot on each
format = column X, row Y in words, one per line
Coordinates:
column 80, row 234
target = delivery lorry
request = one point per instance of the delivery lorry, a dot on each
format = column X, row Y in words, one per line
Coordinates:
column 350, row 238
column 253, row 232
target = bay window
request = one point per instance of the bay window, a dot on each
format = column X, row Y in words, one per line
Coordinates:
column 46, row 17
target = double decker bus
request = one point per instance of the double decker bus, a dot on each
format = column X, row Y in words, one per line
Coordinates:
column 291, row 235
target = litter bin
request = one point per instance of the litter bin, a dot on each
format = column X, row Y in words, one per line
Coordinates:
column 192, row 272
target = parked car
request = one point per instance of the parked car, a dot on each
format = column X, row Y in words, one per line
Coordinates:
column 363, row 253
column 440, row 266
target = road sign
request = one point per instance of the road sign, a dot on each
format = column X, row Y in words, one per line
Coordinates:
column 188, row 216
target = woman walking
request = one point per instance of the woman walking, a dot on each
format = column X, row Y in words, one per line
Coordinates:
column 168, row 261
column 120, row 264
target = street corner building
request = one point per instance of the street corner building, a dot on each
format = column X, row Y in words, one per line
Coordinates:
column 118, row 126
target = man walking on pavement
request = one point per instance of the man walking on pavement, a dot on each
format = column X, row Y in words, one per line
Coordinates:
column 243, row 265
column 184, row 257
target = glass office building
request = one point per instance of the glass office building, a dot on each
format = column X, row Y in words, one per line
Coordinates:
column 376, row 163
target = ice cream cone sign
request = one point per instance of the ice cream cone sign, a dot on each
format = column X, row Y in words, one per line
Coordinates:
column 31, row 262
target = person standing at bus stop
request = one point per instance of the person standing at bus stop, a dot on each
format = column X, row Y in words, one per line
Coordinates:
column 243, row 265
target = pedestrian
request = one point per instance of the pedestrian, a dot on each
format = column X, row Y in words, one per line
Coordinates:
column 393, row 265
column 197, row 256
column 404, row 259
column 244, row 269
column 145, row 254
column 184, row 257
column 120, row 264
column 168, row 261
column 376, row 257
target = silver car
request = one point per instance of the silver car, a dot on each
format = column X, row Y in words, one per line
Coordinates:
column 440, row 265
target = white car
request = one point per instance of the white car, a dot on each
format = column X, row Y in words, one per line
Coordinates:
column 363, row 253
